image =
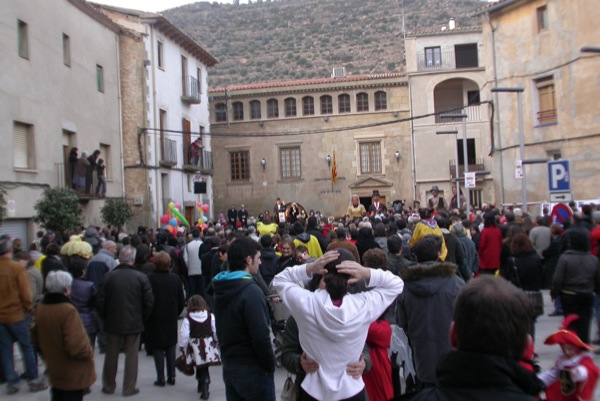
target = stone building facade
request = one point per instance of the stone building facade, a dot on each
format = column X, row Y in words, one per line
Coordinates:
column 560, row 85
column 282, row 139
column 445, row 72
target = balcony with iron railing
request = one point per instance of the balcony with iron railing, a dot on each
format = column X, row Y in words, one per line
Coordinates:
column 191, row 90
column 444, row 61
column 66, row 179
column 473, row 113
column 199, row 162
column 474, row 166
column 168, row 153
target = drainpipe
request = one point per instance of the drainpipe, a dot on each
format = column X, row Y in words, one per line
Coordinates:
column 120, row 98
column 154, row 125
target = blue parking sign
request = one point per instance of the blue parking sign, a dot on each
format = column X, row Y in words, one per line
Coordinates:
column 559, row 179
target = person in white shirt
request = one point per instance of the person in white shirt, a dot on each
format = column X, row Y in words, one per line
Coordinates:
column 333, row 324
column 191, row 256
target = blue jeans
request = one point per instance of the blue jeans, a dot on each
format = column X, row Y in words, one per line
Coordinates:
column 248, row 383
column 9, row 333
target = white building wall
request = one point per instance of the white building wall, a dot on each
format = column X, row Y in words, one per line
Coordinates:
column 52, row 97
column 165, row 93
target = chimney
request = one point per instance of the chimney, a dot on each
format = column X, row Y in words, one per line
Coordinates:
column 452, row 24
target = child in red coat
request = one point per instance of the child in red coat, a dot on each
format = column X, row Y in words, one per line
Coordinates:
column 379, row 379
column 574, row 376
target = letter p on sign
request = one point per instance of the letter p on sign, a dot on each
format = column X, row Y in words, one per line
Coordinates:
column 558, row 176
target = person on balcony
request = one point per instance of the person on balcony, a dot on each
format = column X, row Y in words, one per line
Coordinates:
column 89, row 174
column 100, row 178
column 80, row 173
column 72, row 165
column 196, row 151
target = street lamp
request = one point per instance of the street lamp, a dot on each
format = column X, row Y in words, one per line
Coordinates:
column 455, row 133
column 519, row 92
column 465, row 159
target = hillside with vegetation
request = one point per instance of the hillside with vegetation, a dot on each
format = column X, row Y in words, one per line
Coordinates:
column 299, row 39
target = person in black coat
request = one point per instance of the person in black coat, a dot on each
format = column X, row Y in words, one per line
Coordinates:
column 52, row 261
column 72, row 163
column 89, row 174
column 161, row 328
column 312, row 228
column 125, row 301
column 489, row 337
column 365, row 241
column 268, row 259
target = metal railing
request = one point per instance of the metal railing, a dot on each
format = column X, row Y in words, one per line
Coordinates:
column 474, row 165
column 440, row 61
column 203, row 161
column 547, row 116
column 64, row 180
column 168, row 152
column 191, row 90
column 473, row 113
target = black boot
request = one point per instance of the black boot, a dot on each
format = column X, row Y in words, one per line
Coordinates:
column 204, row 393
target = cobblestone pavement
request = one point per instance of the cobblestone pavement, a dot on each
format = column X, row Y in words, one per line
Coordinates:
column 185, row 388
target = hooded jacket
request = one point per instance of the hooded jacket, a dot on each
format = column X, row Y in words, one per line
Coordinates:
column 243, row 321
column 425, row 311
column 310, row 242
column 268, row 264
column 334, row 335
column 427, row 227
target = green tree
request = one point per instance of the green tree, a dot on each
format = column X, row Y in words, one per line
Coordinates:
column 116, row 212
column 58, row 209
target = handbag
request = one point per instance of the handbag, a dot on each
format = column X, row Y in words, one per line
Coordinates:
column 535, row 297
column 185, row 365
column 537, row 300
column 291, row 389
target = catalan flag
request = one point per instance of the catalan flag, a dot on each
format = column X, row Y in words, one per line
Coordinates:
column 334, row 170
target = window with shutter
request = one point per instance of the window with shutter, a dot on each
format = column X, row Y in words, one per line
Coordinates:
column 21, row 139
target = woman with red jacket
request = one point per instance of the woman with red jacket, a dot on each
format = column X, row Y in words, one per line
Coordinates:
column 490, row 246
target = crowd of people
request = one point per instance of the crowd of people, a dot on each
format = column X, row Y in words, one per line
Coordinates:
column 456, row 290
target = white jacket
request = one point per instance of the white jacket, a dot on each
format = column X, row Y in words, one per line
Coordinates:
column 334, row 336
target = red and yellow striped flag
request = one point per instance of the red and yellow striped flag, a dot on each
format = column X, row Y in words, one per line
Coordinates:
column 334, row 170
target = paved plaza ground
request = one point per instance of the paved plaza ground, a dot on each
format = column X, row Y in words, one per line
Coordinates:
column 185, row 388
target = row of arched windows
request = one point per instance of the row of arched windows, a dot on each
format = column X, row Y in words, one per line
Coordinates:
column 308, row 106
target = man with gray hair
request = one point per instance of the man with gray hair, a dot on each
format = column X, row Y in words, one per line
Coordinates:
column 125, row 301
column 15, row 306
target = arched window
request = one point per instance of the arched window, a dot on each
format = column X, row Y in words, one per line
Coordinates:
column 380, row 100
column 238, row 111
column 308, row 106
column 272, row 108
column 220, row 112
column 326, row 105
column 255, row 110
column 344, row 103
column 362, row 102
column 290, row 107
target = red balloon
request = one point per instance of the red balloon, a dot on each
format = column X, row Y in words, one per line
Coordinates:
column 164, row 219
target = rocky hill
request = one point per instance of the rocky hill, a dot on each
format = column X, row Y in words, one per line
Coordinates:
column 297, row 39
